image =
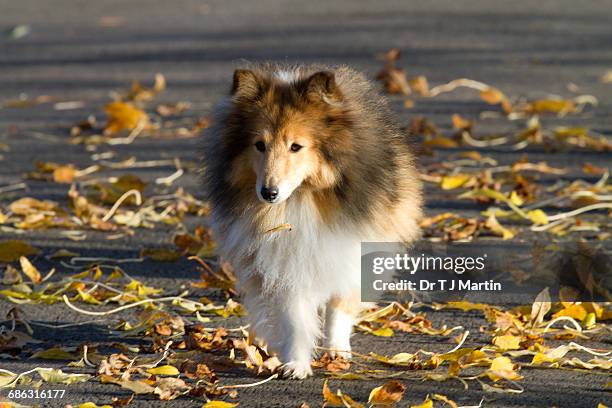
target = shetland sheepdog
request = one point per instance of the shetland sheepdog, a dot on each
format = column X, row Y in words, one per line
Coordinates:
column 316, row 148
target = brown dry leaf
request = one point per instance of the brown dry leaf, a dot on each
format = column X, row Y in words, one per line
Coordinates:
column 589, row 168
column 338, row 399
column 136, row 386
column 12, row 250
column 29, row 205
column 460, row 123
column 387, row 394
column 64, row 174
column 540, row 307
column 170, row 388
column 170, row 110
column 142, row 93
column 420, row 85
column 11, row 276
column 494, row 96
column 122, row 402
column 123, row 116
column 334, row 365
column 161, row 254
column 393, row 79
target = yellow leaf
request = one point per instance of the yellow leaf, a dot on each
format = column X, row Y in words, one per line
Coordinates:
column 502, row 368
column 589, row 320
column 551, row 105
column 507, row 342
column 54, row 353
column 497, row 228
column 164, row 370
column 383, row 332
column 440, row 141
column 426, row 404
column 516, row 199
column 12, row 250
column 388, row 393
column 452, row 182
column 30, row 270
column 219, row 404
column 575, row 311
column 538, row 217
column 123, row 116
column 466, row 306
column 88, row 298
column 93, row 405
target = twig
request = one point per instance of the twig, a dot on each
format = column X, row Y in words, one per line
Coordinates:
column 224, row 387
column 13, row 187
column 121, row 199
column 125, row 307
column 578, row 211
column 563, row 318
column 458, row 83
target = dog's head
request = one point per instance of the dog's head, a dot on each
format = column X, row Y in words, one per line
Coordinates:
column 289, row 126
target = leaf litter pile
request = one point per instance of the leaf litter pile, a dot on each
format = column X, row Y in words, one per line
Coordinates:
column 180, row 344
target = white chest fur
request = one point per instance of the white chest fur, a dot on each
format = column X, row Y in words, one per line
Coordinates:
column 312, row 258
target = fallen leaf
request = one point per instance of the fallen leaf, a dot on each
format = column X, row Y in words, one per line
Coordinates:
column 382, row 332
column 219, row 404
column 426, row 404
column 170, row 388
column 30, row 270
column 492, row 224
column 387, row 394
column 455, row 181
column 502, row 368
column 460, row 123
column 507, row 342
column 55, row 353
column 540, row 307
column 164, row 370
column 12, row 250
column 123, row 116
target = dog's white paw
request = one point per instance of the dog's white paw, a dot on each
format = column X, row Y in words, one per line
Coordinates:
column 296, row 370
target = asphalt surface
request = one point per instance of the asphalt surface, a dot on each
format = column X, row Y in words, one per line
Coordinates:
column 82, row 50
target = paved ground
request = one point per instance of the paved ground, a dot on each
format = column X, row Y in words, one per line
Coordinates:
column 80, row 50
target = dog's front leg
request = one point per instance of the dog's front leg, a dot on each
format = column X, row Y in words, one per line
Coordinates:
column 299, row 330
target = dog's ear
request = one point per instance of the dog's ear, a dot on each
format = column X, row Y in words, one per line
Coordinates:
column 321, row 86
column 247, row 83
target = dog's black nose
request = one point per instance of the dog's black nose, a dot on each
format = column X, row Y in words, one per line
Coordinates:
column 269, row 194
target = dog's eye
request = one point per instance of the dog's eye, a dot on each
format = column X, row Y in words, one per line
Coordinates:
column 295, row 147
column 260, row 146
